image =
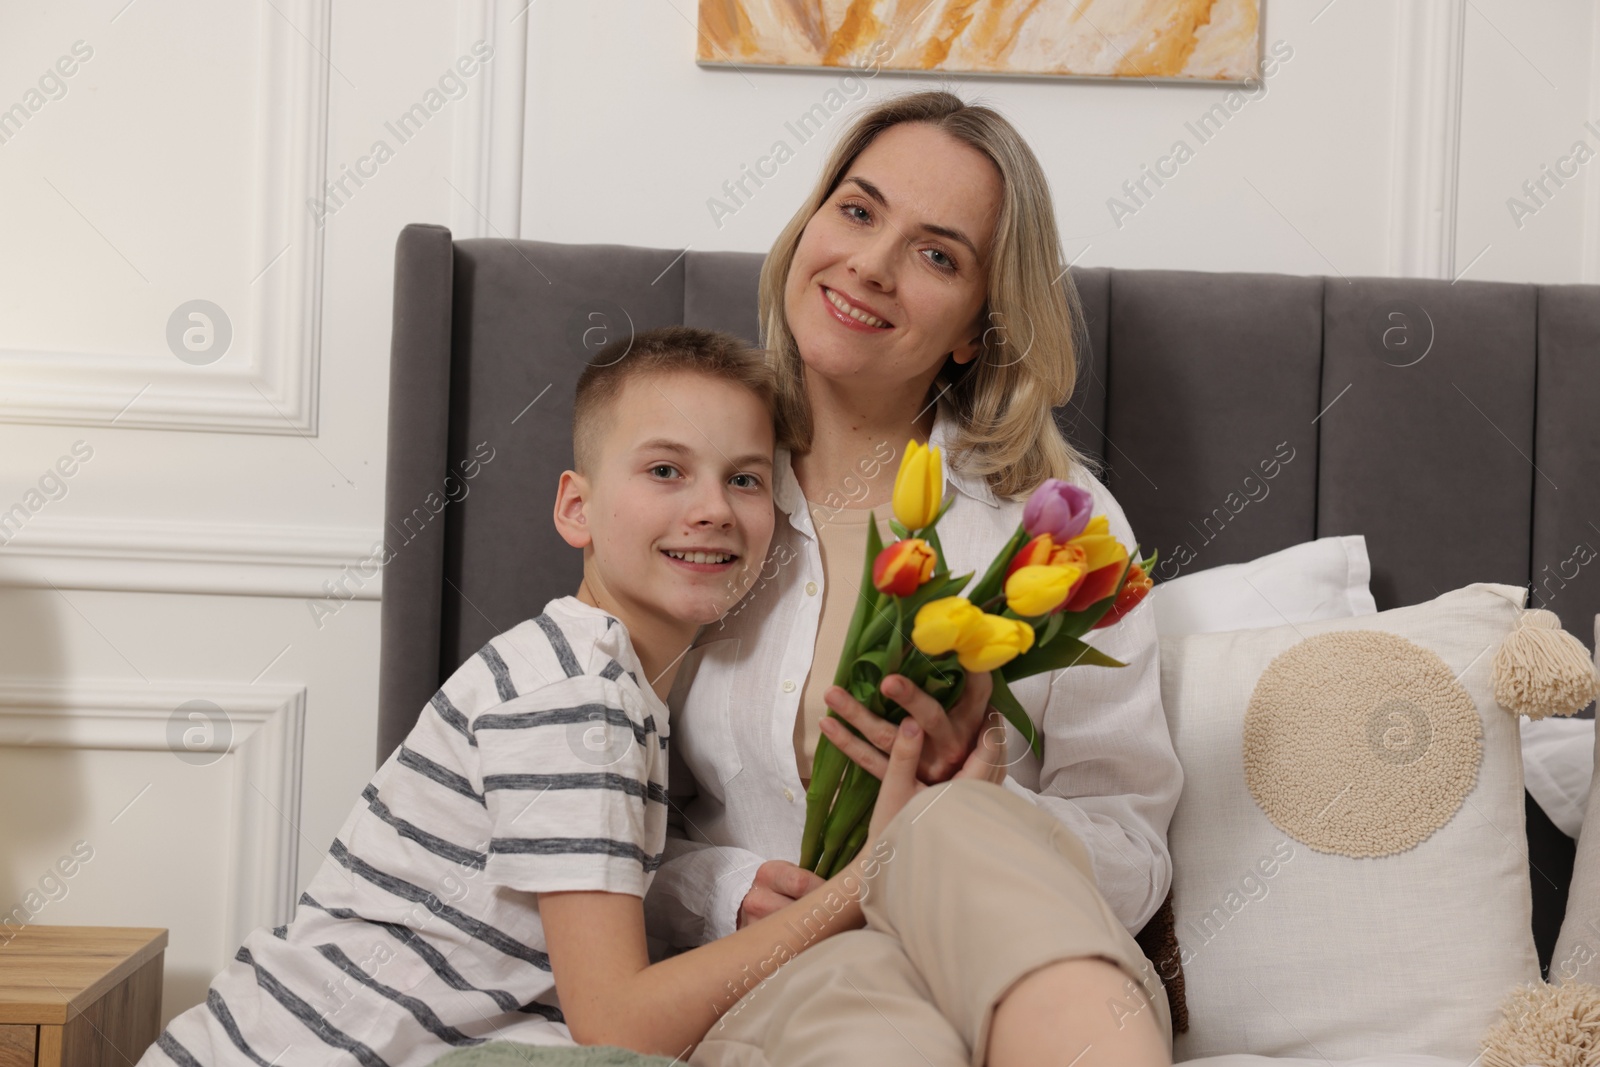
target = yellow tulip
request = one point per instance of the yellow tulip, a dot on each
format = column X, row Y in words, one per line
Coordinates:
column 940, row 624
column 918, row 486
column 1099, row 547
column 1040, row 589
column 1102, row 551
column 993, row 642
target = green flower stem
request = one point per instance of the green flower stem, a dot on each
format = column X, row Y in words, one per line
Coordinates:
column 857, row 793
column 897, row 647
column 827, row 767
column 852, row 845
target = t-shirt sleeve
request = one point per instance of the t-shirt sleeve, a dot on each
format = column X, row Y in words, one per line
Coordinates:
column 574, row 782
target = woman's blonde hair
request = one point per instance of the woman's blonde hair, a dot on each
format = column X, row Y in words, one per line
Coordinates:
column 1028, row 360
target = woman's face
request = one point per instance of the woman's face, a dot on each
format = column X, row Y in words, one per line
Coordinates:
column 905, row 239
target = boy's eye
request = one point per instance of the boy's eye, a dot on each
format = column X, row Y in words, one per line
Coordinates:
column 659, row 467
column 750, row 481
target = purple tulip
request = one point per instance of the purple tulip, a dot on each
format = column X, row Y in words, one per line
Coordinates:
column 1058, row 509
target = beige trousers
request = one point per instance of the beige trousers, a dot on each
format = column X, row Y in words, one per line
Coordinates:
column 970, row 889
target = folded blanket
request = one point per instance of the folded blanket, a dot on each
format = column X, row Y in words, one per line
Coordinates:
column 512, row 1054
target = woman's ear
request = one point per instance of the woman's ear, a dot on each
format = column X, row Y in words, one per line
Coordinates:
column 973, row 348
column 571, row 511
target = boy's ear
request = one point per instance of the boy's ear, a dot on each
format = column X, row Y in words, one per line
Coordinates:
column 571, row 511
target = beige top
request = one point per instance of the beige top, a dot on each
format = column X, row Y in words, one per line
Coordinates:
column 842, row 539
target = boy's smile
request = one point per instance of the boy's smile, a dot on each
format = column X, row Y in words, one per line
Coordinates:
column 677, row 515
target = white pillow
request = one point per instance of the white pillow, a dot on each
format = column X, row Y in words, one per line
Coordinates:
column 1558, row 762
column 1322, row 579
column 1329, row 578
column 1577, row 954
column 1291, row 951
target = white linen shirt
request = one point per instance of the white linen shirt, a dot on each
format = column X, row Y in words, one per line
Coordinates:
column 1109, row 771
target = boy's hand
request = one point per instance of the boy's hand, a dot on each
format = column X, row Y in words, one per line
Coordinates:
column 778, row 884
column 899, row 773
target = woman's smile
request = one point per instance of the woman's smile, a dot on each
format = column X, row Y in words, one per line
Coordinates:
column 848, row 313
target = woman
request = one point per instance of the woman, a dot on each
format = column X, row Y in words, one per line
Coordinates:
column 920, row 293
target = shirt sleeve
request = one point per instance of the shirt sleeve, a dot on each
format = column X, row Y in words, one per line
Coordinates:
column 696, row 895
column 575, row 788
column 1112, row 775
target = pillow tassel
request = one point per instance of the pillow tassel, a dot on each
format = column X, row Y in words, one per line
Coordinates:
column 1550, row 1025
column 1541, row 670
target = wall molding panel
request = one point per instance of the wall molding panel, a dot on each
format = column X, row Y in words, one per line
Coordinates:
column 1430, row 43
column 486, row 160
column 264, row 749
column 275, row 392
column 182, row 557
column 1589, row 265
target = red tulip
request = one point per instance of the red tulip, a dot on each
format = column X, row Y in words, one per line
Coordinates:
column 902, row 566
column 1095, row 587
column 1133, row 592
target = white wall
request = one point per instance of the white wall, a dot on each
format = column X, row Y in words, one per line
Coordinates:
column 185, row 559
column 1344, row 163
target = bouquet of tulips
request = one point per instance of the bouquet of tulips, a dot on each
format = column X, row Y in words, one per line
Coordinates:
column 1060, row 575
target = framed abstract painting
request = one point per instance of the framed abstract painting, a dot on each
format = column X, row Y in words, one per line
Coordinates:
column 1181, row 40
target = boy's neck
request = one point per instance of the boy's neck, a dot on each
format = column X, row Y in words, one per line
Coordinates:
column 659, row 643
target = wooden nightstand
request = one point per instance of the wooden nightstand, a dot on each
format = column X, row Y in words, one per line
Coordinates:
column 80, row 996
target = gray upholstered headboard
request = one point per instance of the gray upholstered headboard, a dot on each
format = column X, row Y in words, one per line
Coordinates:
column 1456, row 426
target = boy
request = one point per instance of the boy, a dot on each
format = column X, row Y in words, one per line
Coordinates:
column 506, row 845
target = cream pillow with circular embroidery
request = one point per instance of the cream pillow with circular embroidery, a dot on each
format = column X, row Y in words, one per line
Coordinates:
column 1373, row 721
column 1350, row 873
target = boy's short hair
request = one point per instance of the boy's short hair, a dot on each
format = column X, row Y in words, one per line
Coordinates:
column 664, row 350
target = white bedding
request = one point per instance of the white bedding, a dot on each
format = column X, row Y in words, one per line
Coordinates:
column 1240, row 1060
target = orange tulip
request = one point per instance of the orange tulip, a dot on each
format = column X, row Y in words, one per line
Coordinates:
column 1035, row 553
column 902, row 566
column 1133, row 592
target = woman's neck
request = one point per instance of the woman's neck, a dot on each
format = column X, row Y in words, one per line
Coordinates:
column 856, row 443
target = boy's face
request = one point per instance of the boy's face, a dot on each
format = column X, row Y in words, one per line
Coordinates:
column 684, row 467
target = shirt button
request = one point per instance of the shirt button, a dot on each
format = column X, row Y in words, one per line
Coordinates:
column 788, row 794
column 811, row 589
column 788, row 685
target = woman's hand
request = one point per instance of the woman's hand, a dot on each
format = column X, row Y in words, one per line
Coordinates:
column 949, row 738
column 899, row 769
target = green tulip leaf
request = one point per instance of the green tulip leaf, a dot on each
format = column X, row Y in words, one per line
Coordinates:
column 994, row 578
column 865, row 601
column 940, row 567
column 1007, row 704
column 1065, row 651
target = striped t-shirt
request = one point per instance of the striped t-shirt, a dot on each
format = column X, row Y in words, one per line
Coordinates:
column 540, row 766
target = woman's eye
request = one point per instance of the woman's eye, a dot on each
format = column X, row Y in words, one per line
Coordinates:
column 948, row 264
column 847, row 208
